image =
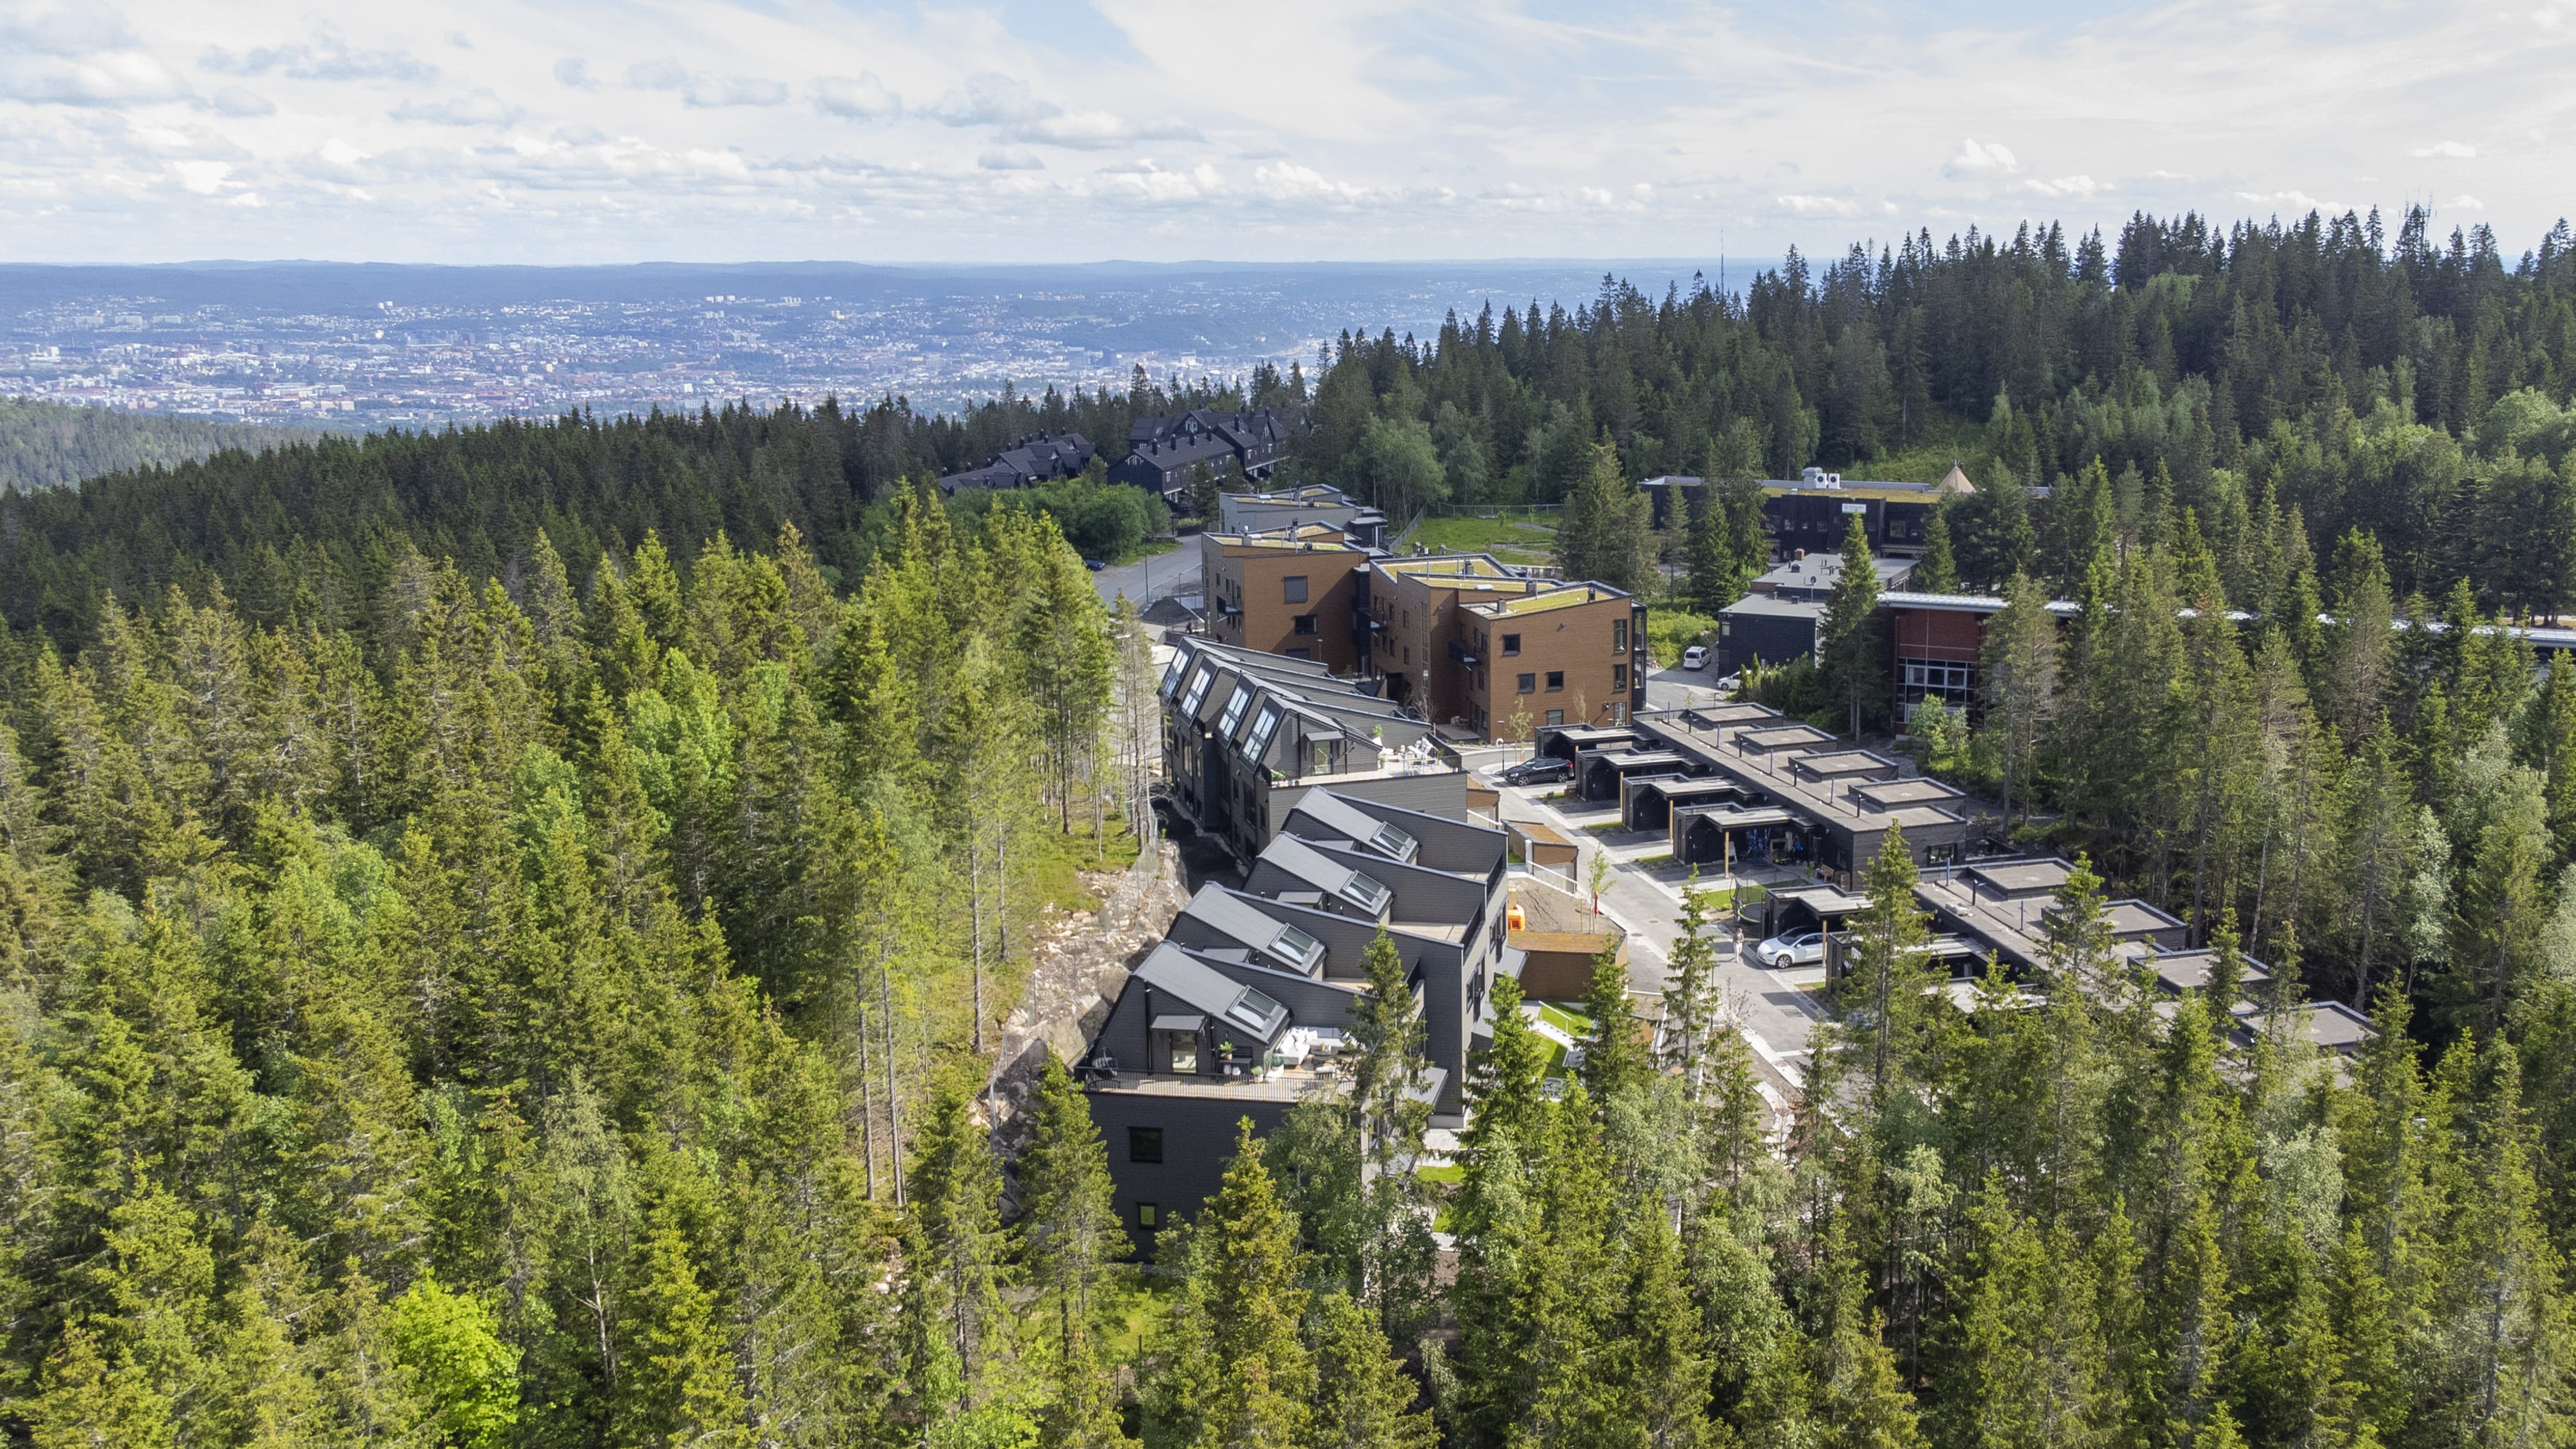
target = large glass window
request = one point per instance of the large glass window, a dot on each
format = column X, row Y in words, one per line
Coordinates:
column 1263, row 726
column 1293, row 589
column 1366, row 894
column 1952, row 682
column 1198, row 690
column 1234, row 708
column 1144, row 1144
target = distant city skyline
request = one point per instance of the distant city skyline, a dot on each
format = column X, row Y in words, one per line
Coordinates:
column 498, row 131
column 362, row 347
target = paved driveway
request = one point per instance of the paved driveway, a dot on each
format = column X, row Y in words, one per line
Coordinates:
column 1163, row 574
column 1776, row 1007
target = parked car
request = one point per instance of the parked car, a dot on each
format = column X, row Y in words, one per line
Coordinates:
column 1094, row 565
column 1695, row 657
column 1547, row 770
column 1802, row 948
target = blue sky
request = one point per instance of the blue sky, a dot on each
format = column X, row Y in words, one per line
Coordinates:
column 1047, row 130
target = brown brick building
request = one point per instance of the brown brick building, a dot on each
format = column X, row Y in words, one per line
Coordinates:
column 1291, row 591
column 1471, row 642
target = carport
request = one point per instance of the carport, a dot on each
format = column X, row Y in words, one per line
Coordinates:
column 1805, row 907
column 1647, row 802
column 1599, row 773
column 1569, row 742
column 1730, row 834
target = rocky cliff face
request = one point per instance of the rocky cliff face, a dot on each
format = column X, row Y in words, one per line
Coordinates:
column 1074, row 981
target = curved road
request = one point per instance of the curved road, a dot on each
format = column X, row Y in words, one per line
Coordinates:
column 1176, row 572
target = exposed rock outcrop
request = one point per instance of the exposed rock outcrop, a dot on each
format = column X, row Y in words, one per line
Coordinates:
column 1076, row 978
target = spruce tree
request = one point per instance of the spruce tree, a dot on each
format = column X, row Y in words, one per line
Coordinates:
column 1938, row 570
column 1232, row 1369
column 1848, row 643
column 1070, row 1243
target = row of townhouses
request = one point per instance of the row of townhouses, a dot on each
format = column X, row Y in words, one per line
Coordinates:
column 1349, row 820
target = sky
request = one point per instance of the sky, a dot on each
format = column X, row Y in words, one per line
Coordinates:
column 605, row 131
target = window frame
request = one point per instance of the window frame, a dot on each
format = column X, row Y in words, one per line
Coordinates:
column 1295, row 588
column 1149, row 1140
column 1556, row 681
column 1511, row 644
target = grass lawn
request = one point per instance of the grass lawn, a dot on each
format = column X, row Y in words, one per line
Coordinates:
column 1573, row 1023
column 1527, row 540
column 1138, row 1305
column 1451, row 1173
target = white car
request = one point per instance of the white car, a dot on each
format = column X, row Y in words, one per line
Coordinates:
column 1805, row 948
column 1695, row 657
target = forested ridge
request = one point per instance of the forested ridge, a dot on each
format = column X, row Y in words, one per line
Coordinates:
column 501, row 931
column 43, row 445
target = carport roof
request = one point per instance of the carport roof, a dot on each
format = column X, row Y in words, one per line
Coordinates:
column 1825, row 900
column 1634, row 759
column 1730, row 818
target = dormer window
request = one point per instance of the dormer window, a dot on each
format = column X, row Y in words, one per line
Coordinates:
column 1234, row 709
column 1297, row 948
column 1263, row 726
column 1394, row 843
column 1198, row 690
column 1256, row 1013
column 1366, row 894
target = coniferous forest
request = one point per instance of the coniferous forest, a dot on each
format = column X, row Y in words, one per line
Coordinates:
column 502, row 932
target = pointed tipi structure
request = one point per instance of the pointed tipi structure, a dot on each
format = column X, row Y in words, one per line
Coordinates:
column 1956, row 481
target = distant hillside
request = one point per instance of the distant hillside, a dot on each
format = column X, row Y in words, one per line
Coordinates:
column 43, row 445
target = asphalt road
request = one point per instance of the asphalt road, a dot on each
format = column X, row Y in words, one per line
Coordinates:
column 1176, row 572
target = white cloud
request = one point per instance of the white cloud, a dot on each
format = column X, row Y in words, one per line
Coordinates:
column 860, row 97
column 328, row 58
column 1152, row 183
column 1288, row 181
column 2465, row 203
column 205, row 178
column 990, row 99
column 1975, row 159
column 1348, row 136
column 1099, row 131
column 2298, row 202
column 99, row 78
